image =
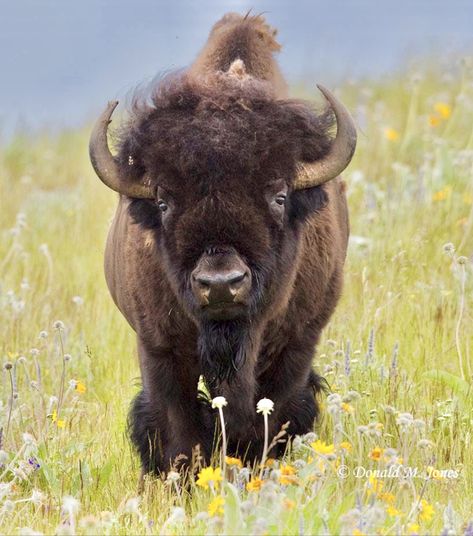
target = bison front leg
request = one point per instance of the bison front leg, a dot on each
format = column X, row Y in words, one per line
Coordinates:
column 166, row 419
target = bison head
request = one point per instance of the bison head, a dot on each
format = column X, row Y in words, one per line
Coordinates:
column 225, row 174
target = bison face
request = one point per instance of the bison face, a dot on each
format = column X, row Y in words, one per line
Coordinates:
column 226, row 247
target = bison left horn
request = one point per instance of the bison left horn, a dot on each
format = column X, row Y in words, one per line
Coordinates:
column 105, row 164
column 340, row 153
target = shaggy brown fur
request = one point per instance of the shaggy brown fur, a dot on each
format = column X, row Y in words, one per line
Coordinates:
column 220, row 141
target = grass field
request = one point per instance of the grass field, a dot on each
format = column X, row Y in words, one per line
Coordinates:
column 397, row 353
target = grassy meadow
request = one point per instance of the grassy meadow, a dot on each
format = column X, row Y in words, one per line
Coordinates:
column 393, row 452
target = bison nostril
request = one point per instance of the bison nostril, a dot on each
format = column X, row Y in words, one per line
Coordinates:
column 235, row 277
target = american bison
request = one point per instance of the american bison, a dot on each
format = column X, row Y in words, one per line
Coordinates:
column 227, row 247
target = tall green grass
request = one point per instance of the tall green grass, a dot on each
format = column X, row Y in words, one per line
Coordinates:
column 397, row 353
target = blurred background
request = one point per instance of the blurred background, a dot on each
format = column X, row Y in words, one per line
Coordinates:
column 60, row 62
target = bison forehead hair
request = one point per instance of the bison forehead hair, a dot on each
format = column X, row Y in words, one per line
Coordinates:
column 218, row 127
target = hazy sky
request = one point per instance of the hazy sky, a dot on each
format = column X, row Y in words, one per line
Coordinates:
column 61, row 60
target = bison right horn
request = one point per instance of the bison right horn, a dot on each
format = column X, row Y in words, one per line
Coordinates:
column 340, row 153
column 104, row 162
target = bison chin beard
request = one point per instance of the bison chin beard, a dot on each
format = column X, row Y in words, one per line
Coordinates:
column 223, row 346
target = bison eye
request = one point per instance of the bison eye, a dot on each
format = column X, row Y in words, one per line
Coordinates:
column 162, row 205
column 280, row 199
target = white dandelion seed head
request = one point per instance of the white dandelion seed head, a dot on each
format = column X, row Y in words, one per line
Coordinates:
column 37, row 497
column 34, row 352
column 67, row 357
column 173, row 476
column 43, row 334
column 28, row 439
column 70, row 505
column 58, row 324
column 78, row 300
column 132, row 505
column 265, row 406
column 219, row 402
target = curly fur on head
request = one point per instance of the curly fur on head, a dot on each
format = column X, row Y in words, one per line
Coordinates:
column 221, row 125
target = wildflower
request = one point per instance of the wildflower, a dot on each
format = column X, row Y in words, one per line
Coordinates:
column 209, row 475
column 219, row 402
column 443, row 109
column 58, row 324
column 132, row 505
column 67, row 357
column 70, row 505
column 80, row 387
column 393, row 511
column 391, row 134
column 387, row 497
column 37, row 497
column 28, row 439
column 374, row 486
column 34, row 463
column 215, row 507
column 173, row 476
column 413, row 528
column 43, row 335
column 376, row 453
column 434, row 121
column 288, row 504
column 468, row 198
column 347, row 408
column 254, row 484
column 443, row 194
column 60, row 423
column 449, row 249
column 233, row 461
column 322, row 448
column 287, row 475
column 78, row 300
column 426, row 511
column 265, row 406
column 346, row 446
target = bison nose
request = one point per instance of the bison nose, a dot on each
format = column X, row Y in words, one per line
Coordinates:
column 211, row 288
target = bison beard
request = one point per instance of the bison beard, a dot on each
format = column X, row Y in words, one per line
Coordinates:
column 223, row 347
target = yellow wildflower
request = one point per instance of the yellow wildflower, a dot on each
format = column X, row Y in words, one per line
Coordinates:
column 287, row 476
column 443, row 194
column 391, row 134
column 393, row 511
column 387, row 497
column 60, row 423
column 434, row 121
column 215, row 507
column 322, row 448
column 209, row 475
column 347, row 408
column 376, row 453
column 413, row 528
column 288, row 504
column 346, row 446
column 426, row 511
column 80, row 387
column 443, row 109
column 254, row 484
column 374, row 486
column 468, row 198
column 233, row 461
column 357, row 532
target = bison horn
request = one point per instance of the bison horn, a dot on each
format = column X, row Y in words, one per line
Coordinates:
column 105, row 164
column 340, row 153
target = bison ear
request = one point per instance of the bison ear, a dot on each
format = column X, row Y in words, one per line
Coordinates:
column 304, row 203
